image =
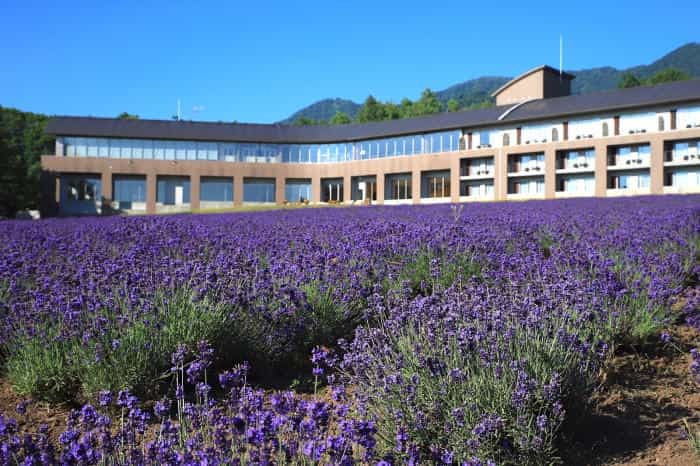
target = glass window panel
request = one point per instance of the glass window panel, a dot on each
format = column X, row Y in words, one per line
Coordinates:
column 216, row 189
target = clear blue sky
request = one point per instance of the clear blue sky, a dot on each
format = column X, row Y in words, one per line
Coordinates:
column 260, row 61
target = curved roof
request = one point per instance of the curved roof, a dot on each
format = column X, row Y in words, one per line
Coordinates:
column 546, row 68
column 541, row 109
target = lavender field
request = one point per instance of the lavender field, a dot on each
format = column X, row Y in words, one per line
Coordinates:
column 456, row 335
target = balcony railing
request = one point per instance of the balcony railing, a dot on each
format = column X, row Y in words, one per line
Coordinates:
column 682, row 157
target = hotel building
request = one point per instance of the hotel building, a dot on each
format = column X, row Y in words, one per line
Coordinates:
column 538, row 142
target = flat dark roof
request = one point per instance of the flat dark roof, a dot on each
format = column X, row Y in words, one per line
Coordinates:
column 543, row 109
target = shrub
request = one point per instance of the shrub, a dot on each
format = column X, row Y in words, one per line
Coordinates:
column 121, row 355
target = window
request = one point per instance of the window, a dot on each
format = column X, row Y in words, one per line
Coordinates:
column 605, row 129
column 80, row 188
column 173, row 190
column 555, row 135
column 661, row 123
column 259, row 190
column 216, row 189
column 435, row 184
column 332, row 190
column 127, row 189
column 297, row 190
column 398, row 187
column 506, row 139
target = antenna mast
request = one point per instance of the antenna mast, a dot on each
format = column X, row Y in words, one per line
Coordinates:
column 178, row 109
column 561, row 56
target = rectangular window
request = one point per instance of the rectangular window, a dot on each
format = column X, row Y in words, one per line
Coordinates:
column 259, row 190
column 332, row 190
column 435, row 184
column 127, row 189
column 297, row 190
column 216, row 189
column 173, row 190
column 398, row 186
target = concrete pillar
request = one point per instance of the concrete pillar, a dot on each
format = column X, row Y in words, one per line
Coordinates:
column 518, row 135
column 601, row 169
column 565, row 136
column 347, row 189
column 106, row 181
column 673, row 123
column 656, row 173
column 500, row 175
column 151, row 193
column 454, row 179
column 279, row 190
column 415, row 186
column 550, row 166
column 238, row 190
column 616, row 125
column 469, row 141
column 380, row 188
column 195, row 191
column 57, row 189
column 315, row 190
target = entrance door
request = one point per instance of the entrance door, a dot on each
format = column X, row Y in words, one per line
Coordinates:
column 179, row 195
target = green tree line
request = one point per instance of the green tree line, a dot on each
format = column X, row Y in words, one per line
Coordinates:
column 375, row 110
column 664, row 76
column 22, row 143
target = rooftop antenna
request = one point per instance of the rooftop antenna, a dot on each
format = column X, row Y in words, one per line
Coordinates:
column 561, row 57
column 178, row 109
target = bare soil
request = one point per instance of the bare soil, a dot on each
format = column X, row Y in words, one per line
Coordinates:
column 639, row 409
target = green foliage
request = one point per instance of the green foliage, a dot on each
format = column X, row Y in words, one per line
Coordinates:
column 452, row 105
column 429, row 271
column 340, row 118
column 131, row 355
column 668, row 75
column 693, row 435
column 663, row 76
column 480, row 388
column 22, row 142
column 330, row 319
column 628, row 80
column 127, row 116
column 371, row 110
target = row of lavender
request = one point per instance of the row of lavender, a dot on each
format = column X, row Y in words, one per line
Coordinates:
column 462, row 335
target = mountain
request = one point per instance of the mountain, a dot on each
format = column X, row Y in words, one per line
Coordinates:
column 475, row 91
column 324, row 110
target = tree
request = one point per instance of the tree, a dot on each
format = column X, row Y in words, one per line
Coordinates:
column 668, row 75
column 22, row 143
column 629, row 80
column 371, row 110
column 305, row 121
column 340, row 118
column 127, row 116
column 427, row 104
column 452, row 105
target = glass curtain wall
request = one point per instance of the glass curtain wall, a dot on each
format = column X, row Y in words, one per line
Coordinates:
column 443, row 141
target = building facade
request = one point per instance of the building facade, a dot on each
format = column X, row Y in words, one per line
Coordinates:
column 538, row 142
